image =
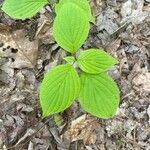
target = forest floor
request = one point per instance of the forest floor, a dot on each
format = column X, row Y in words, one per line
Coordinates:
column 28, row 51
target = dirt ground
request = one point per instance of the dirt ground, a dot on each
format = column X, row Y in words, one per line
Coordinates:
column 28, row 51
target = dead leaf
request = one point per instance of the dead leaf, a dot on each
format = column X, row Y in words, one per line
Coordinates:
column 113, row 46
column 142, row 81
column 105, row 21
column 28, row 133
column 15, row 46
column 83, row 128
column 132, row 11
column 96, row 5
column 44, row 32
column 112, row 2
column 24, row 108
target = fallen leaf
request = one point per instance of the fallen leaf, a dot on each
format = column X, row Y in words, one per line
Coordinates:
column 132, row 11
column 15, row 46
column 44, row 32
column 142, row 81
column 24, row 108
column 28, row 133
column 105, row 21
column 83, row 128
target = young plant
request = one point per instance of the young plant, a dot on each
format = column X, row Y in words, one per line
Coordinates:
column 97, row 92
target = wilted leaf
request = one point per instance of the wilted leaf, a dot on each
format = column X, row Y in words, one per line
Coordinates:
column 95, row 61
column 83, row 4
column 23, row 9
column 71, row 27
column 99, row 95
column 60, row 87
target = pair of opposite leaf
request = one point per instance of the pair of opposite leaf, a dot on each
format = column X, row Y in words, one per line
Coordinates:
column 97, row 92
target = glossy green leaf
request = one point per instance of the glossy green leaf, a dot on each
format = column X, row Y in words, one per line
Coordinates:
column 60, row 87
column 22, row 9
column 83, row 4
column 99, row 95
column 69, row 59
column 95, row 61
column 70, row 27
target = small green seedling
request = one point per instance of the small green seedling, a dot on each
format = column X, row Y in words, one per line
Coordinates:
column 89, row 82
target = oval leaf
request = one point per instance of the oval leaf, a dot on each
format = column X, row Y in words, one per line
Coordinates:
column 22, row 9
column 99, row 95
column 83, row 4
column 95, row 61
column 60, row 87
column 70, row 59
column 71, row 27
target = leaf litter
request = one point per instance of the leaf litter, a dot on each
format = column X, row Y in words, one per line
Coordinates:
column 123, row 29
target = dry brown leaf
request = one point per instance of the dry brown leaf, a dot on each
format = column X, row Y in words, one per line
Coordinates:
column 142, row 81
column 15, row 46
column 83, row 128
column 132, row 11
column 96, row 5
column 113, row 46
column 44, row 32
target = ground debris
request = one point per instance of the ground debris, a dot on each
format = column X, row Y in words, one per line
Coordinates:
column 122, row 28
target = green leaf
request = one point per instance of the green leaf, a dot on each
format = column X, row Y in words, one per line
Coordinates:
column 95, row 61
column 99, row 95
column 83, row 4
column 22, row 9
column 71, row 27
column 69, row 59
column 60, row 87
column 58, row 120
